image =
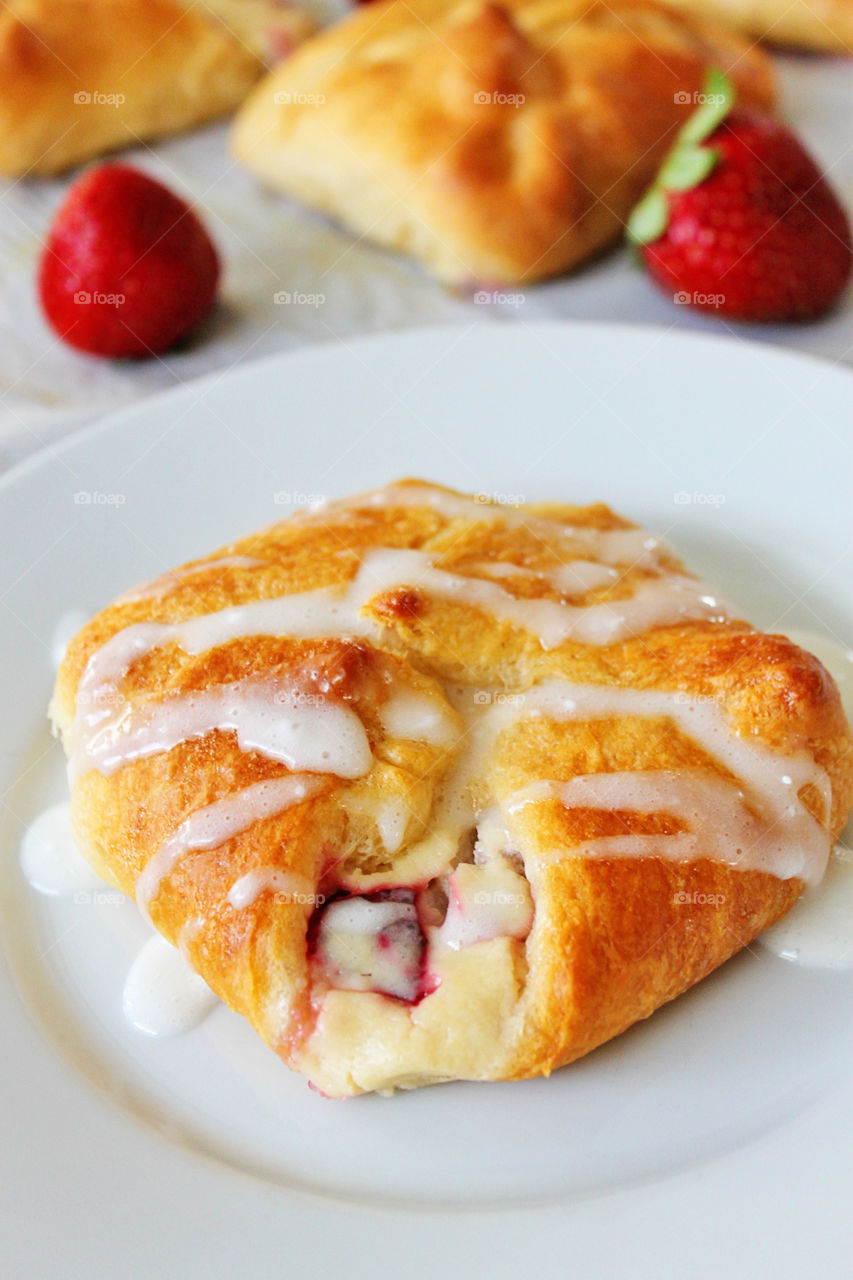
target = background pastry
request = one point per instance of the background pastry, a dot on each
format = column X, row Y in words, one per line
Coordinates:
column 496, row 143
column 429, row 789
column 85, row 76
column 804, row 24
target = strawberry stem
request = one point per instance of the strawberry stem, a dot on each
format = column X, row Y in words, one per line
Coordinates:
column 686, row 167
column 687, row 164
column 718, row 100
column 649, row 218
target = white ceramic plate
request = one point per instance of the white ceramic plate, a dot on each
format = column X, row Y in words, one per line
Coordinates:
column 710, row 1140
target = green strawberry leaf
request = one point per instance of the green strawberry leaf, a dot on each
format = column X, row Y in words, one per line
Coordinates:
column 718, row 100
column 687, row 164
column 649, row 218
column 686, row 167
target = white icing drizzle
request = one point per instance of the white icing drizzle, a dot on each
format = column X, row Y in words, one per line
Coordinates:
column 796, row 844
column 50, row 859
column 818, row 930
column 581, row 575
column 392, row 819
column 314, row 734
column 337, row 612
column 156, row 588
column 288, row 886
column 416, row 718
column 506, row 569
column 655, row 602
column 715, row 811
column 212, row 825
column 163, row 995
column 311, row 614
column 636, row 547
column 575, row 578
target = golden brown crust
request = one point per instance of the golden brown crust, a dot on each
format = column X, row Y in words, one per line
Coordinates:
column 496, row 143
column 85, row 76
column 612, row 939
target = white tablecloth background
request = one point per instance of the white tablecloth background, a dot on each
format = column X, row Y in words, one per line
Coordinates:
column 339, row 287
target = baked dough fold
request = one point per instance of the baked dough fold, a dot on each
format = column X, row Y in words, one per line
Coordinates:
column 81, row 77
column 428, row 788
column 496, row 143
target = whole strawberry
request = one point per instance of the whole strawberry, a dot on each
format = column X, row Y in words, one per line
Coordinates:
column 128, row 269
column 740, row 219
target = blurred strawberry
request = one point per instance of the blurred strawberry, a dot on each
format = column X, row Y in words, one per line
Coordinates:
column 740, row 219
column 128, row 269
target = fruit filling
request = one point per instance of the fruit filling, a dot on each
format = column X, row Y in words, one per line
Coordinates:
column 373, row 943
column 387, row 941
column 484, row 902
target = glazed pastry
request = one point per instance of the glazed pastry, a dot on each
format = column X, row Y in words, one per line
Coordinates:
column 432, row 788
column 825, row 25
column 496, row 143
column 81, row 77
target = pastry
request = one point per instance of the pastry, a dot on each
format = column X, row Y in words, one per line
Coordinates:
column 495, row 143
column 826, row 25
column 428, row 787
column 85, row 76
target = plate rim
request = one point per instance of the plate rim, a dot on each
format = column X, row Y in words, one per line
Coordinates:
column 110, row 419
column 114, row 419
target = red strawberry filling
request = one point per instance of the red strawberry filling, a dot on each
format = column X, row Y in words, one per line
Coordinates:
column 386, row 941
column 373, row 943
